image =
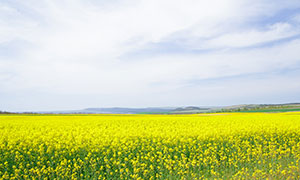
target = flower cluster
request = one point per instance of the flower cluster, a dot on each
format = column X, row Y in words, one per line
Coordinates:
column 218, row 146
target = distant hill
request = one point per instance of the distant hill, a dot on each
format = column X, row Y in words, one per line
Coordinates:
column 119, row 110
column 114, row 110
column 5, row 112
column 178, row 110
column 191, row 109
column 262, row 108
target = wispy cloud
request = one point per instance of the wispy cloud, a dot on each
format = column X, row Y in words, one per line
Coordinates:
column 135, row 53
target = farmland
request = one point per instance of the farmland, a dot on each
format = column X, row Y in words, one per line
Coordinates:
column 200, row 146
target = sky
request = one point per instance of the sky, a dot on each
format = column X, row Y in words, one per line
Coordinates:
column 74, row 54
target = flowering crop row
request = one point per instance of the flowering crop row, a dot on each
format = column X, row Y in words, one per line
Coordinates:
column 212, row 146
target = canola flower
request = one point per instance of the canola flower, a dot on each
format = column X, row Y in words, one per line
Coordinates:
column 201, row 146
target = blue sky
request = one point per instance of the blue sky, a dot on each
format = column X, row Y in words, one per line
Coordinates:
column 73, row 54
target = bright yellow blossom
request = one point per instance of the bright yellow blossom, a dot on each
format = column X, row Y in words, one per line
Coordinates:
column 200, row 146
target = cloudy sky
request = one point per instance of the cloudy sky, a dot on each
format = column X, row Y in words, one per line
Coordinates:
column 73, row 54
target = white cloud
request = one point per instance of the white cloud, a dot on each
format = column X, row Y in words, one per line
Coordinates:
column 78, row 47
column 274, row 32
column 296, row 18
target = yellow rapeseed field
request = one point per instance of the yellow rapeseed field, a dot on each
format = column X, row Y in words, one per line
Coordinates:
column 212, row 146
